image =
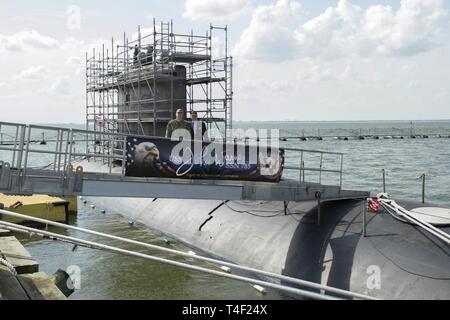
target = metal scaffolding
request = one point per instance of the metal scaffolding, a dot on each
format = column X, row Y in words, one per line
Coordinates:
column 135, row 86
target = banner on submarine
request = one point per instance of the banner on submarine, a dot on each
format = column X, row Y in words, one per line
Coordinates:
column 160, row 157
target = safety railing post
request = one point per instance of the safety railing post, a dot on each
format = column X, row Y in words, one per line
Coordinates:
column 16, row 137
column 66, row 150
column 320, row 168
column 27, row 149
column 423, row 176
column 56, row 151
column 110, row 153
column 383, row 172
column 365, row 217
column 20, row 147
column 68, row 155
column 318, row 195
column 68, row 143
column 301, row 166
column 59, row 150
column 124, row 155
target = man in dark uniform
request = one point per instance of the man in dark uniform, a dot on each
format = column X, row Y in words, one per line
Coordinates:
column 198, row 127
column 149, row 56
column 136, row 54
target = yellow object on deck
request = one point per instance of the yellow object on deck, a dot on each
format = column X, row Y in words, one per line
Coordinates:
column 40, row 206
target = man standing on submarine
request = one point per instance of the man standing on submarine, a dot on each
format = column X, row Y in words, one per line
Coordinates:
column 198, row 127
column 178, row 123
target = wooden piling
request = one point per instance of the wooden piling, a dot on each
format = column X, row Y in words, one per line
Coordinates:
column 13, row 252
column 28, row 284
column 4, row 233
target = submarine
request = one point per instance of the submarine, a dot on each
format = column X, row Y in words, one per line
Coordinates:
column 134, row 87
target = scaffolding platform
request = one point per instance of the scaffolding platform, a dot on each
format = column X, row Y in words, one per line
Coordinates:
column 191, row 82
column 160, row 69
column 136, row 120
column 188, row 57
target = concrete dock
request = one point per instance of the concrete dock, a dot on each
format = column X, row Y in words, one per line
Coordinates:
column 39, row 206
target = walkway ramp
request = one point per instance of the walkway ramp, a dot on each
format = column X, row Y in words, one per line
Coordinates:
column 94, row 171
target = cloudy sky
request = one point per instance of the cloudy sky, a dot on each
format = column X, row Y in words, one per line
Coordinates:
column 294, row 60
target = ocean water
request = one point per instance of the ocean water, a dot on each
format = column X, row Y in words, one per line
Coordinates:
column 109, row 276
column 404, row 160
column 105, row 275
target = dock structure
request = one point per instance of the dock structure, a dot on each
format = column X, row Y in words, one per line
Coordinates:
column 20, row 278
column 43, row 206
column 12, row 251
column 102, row 174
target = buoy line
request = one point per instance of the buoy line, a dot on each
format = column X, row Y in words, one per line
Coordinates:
column 297, row 281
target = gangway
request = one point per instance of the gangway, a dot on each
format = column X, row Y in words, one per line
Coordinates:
column 59, row 169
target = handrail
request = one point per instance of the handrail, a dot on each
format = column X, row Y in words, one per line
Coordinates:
column 111, row 146
column 314, row 151
column 320, row 169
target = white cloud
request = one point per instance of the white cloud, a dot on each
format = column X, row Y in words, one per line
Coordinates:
column 149, row 17
column 344, row 30
column 74, row 61
column 146, row 34
column 77, row 63
column 218, row 46
column 73, row 44
column 214, row 9
column 404, row 32
column 32, row 73
column 60, row 87
column 27, row 40
column 269, row 36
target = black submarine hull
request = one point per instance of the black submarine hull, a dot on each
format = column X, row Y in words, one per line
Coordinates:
column 394, row 261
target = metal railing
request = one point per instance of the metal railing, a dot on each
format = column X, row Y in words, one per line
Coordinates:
column 302, row 154
column 59, row 153
column 422, row 177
